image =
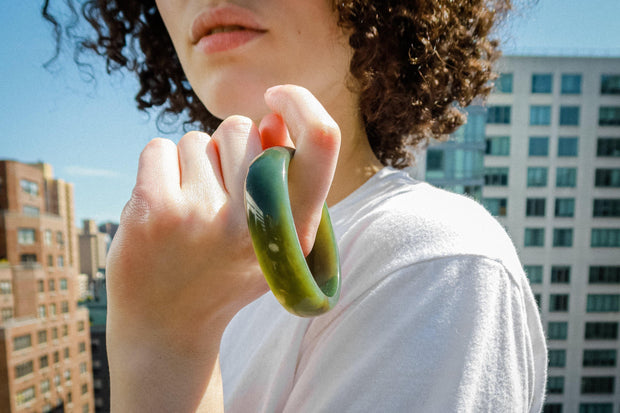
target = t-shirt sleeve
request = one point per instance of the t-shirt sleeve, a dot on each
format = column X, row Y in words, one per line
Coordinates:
column 457, row 334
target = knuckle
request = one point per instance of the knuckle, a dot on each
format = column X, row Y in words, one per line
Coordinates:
column 324, row 134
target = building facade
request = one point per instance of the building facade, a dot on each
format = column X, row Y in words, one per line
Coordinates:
column 552, row 178
column 45, row 360
column 93, row 252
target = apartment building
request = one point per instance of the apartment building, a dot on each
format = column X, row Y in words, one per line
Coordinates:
column 552, row 178
column 45, row 359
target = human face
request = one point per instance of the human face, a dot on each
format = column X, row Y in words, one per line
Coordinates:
column 261, row 43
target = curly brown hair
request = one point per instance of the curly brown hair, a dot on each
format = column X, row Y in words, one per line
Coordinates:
column 416, row 63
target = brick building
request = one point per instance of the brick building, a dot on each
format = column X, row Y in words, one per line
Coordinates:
column 45, row 361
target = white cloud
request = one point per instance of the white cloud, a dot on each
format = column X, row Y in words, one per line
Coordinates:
column 75, row 170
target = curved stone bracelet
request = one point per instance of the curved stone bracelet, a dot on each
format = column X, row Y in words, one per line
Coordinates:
column 304, row 286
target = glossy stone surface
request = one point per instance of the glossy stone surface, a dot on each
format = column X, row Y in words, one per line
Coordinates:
column 306, row 286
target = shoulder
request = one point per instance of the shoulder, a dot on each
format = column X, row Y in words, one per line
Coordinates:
column 405, row 221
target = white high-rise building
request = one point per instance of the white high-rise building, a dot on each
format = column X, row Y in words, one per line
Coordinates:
column 552, row 178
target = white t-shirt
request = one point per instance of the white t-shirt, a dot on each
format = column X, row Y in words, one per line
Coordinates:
column 435, row 315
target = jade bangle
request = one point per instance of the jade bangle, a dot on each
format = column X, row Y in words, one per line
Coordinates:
column 304, row 286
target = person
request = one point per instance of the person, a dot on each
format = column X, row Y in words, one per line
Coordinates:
column 435, row 315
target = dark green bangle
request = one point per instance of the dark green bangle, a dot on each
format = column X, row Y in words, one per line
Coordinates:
column 304, row 286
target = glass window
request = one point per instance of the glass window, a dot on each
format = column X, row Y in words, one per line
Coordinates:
column 571, row 84
column 43, row 362
column 540, row 115
column 604, row 274
column 434, row 160
column 534, row 237
column 503, row 84
column 63, row 284
column 536, row 176
column 539, row 146
column 607, row 178
column 608, row 147
column 558, row 302
column 568, row 146
column 24, row 396
column 26, row 236
column 29, row 187
column 552, row 408
column 497, row 145
column 603, row 303
column 24, row 369
column 61, row 261
column 557, row 358
column 496, row 206
column 555, row 385
column 566, row 177
column 569, row 115
column 610, row 84
column 542, row 83
column 609, row 116
column 535, row 207
column 597, row 385
column 560, row 274
column 42, row 336
column 498, row 114
column 22, row 342
column 599, row 358
column 496, row 176
column 557, row 330
column 605, row 237
column 534, row 273
column 601, row 331
column 48, row 237
column 41, row 311
column 606, row 208
column 31, row 210
column 6, row 287
column 596, row 408
column 564, row 207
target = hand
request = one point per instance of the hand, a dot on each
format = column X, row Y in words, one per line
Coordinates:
column 182, row 264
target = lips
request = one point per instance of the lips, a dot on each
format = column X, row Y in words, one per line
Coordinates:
column 224, row 28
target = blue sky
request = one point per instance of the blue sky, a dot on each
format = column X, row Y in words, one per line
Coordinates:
column 92, row 134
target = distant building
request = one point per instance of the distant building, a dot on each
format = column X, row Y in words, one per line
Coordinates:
column 93, row 251
column 45, row 361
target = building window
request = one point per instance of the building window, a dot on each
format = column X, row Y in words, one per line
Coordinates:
column 43, row 362
column 60, row 239
column 609, row 116
column 536, row 177
column 64, row 307
column 496, row 176
column 601, row 331
column 552, row 408
column 50, row 260
column 434, row 160
column 56, row 356
column 557, row 330
column 24, row 369
column 604, row 274
column 534, row 237
column 605, row 237
column 51, row 284
column 66, row 353
column 539, row 146
column 568, row 146
column 607, row 178
column 562, row 237
column 42, row 336
column 569, row 115
column 560, row 274
column 571, row 84
column 63, row 284
column 80, row 326
column 25, row 396
column 65, row 330
column 498, row 115
column 45, row 386
column 6, row 313
column 26, row 236
column 555, row 385
column 610, row 85
column 22, row 342
column 82, row 347
column 597, row 385
column 497, row 145
column 28, row 258
column 566, row 177
column 596, row 408
column 83, row 368
column 534, row 273
column 535, row 207
column 558, row 302
column 84, row 388
column 41, row 311
column 496, row 206
column 53, row 310
column 557, row 358
column 542, row 83
column 61, row 261
column 48, row 237
column 29, row 187
column 606, row 208
column 31, row 211
column 540, row 115
column 603, row 303
column 608, row 147
column 564, row 207
column 503, row 84
column 599, row 358
column 6, row 287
